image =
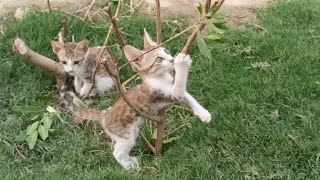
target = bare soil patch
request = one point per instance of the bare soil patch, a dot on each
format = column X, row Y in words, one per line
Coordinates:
column 240, row 13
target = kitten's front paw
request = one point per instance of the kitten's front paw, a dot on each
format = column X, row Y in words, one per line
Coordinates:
column 204, row 115
column 182, row 60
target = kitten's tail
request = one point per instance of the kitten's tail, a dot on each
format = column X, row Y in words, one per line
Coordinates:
column 79, row 114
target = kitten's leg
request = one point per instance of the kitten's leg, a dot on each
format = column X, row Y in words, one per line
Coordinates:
column 182, row 65
column 87, row 84
column 122, row 150
column 77, row 84
column 197, row 109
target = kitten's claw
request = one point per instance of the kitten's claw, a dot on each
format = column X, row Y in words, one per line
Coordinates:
column 204, row 115
column 182, row 60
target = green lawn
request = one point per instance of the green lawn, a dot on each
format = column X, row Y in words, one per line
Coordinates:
column 266, row 123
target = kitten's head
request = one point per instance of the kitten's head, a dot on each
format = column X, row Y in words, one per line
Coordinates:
column 70, row 54
column 157, row 61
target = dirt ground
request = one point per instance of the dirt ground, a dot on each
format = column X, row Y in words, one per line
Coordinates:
column 239, row 12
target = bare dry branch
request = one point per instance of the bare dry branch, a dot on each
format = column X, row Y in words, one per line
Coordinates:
column 207, row 6
column 158, row 21
column 63, row 33
column 128, row 80
column 43, row 62
column 87, row 15
column 115, row 26
column 160, row 132
column 49, row 7
column 131, row 9
column 147, row 142
column 173, row 131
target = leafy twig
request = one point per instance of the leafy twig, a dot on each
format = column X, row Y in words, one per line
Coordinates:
column 209, row 12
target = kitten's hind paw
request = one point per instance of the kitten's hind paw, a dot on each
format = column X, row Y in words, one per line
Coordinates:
column 131, row 164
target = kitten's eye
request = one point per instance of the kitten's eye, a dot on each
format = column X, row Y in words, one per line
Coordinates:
column 76, row 62
column 165, row 50
column 64, row 62
column 159, row 59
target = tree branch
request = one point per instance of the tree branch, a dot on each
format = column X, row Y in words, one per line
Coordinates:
column 62, row 36
column 43, row 62
column 158, row 21
column 87, row 15
column 147, row 142
column 115, row 26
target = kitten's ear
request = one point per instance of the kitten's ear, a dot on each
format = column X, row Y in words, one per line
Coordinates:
column 148, row 42
column 56, row 46
column 83, row 45
column 131, row 52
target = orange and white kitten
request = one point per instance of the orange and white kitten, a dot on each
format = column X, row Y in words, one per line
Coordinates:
column 156, row 91
column 80, row 61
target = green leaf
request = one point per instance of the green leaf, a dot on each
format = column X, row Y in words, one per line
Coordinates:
column 171, row 139
column 28, row 109
column 214, row 28
column 43, row 131
column 32, row 139
column 154, row 134
column 55, row 132
column 217, row 21
column 213, row 37
column 203, row 46
column 31, row 128
column 22, row 136
column 200, row 8
column 47, row 121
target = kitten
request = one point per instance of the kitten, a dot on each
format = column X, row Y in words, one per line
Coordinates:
column 155, row 92
column 80, row 61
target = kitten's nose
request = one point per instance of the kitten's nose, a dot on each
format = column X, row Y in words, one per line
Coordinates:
column 171, row 60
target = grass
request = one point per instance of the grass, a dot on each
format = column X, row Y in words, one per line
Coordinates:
column 266, row 120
